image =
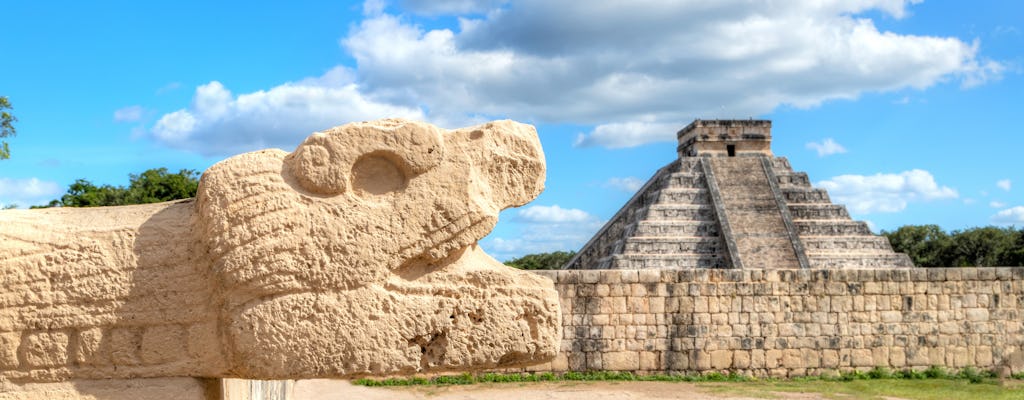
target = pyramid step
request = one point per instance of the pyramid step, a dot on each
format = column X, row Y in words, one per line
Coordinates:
column 818, row 211
column 643, row 261
column 696, row 212
column 781, row 164
column 797, row 179
column 860, row 260
column 797, row 195
column 677, row 228
column 673, row 245
column 679, row 196
column 812, row 227
column 683, row 180
column 839, row 244
column 689, row 165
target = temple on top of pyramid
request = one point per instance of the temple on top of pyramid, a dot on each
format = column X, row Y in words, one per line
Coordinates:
column 728, row 202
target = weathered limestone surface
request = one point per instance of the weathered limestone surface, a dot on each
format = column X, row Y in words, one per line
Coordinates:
column 115, row 389
column 353, row 255
column 753, row 214
column 790, row 322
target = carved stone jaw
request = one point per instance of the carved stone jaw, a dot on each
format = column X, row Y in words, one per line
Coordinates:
column 356, row 253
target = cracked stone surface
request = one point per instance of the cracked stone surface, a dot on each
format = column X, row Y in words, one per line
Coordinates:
column 353, row 255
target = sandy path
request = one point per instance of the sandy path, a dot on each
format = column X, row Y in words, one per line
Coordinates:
column 323, row 389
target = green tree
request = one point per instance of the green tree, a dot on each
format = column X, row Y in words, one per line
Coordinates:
column 83, row 193
column 156, row 185
column 553, row 260
column 927, row 245
column 7, row 121
column 984, row 247
column 151, row 186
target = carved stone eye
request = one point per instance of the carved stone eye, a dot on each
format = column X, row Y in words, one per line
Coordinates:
column 378, row 173
column 317, row 170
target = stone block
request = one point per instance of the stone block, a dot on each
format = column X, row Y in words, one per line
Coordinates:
column 976, row 314
column 918, row 357
column 649, row 276
column 677, row 360
column 880, row 356
column 9, row 344
column 792, row 358
column 701, row 360
column 620, row 361
column 937, row 355
column 590, row 276
column 862, row 358
column 721, row 359
column 560, row 363
column 656, row 304
column 88, row 349
column 958, row 357
column 773, row 358
column 650, row 361
column 577, row 361
column 829, row 358
column 629, row 276
column 46, row 349
column 162, row 344
column 741, row 359
column 124, row 345
column 983, row 357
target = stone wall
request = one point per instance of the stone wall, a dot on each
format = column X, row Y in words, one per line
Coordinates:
column 789, row 322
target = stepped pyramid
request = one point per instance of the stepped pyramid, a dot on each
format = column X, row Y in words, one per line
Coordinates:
column 727, row 202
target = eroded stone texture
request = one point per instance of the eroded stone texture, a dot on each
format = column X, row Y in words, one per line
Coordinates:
column 353, row 255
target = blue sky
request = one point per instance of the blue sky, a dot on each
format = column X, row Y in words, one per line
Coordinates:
column 907, row 111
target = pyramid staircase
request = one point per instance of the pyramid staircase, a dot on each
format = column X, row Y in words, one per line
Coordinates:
column 745, row 211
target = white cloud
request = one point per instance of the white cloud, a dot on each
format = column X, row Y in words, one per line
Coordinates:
column 634, row 72
column 1004, row 184
column 885, row 192
column 219, row 122
column 969, row 201
column 27, row 192
column 996, row 204
column 1010, row 216
column 826, row 148
column 665, row 62
column 544, row 229
column 553, row 215
column 629, row 184
column 627, row 134
column 129, row 114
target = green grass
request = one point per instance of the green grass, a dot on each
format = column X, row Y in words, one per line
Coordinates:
column 932, row 383
column 467, row 379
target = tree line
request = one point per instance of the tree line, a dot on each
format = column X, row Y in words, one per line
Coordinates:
column 930, row 246
column 152, row 186
column 927, row 246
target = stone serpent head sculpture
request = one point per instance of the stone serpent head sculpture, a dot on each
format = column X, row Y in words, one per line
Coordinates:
column 353, row 255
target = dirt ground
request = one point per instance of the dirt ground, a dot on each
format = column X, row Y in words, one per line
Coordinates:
column 323, row 389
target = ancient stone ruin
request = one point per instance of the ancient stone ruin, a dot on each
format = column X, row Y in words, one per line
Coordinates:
column 728, row 261
column 727, row 202
column 353, row 255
